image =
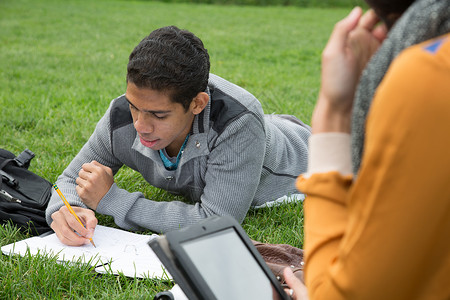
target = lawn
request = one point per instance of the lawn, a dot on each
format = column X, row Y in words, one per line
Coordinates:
column 62, row 62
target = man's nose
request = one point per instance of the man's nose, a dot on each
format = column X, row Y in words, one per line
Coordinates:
column 142, row 124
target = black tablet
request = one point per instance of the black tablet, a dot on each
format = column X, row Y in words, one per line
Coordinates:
column 215, row 259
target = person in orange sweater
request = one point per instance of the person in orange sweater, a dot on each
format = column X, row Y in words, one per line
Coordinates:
column 381, row 229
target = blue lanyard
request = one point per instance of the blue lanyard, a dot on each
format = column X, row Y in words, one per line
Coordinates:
column 173, row 165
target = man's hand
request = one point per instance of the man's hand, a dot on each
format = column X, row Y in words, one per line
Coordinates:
column 93, row 183
column 352, row 43
column 69, row 230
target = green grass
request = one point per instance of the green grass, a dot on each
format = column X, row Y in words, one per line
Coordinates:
column 299, row 3
column 62, row 62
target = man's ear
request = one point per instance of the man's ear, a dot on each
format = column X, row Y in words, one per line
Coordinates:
column 199, row 103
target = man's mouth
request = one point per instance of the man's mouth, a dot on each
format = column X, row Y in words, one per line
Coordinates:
column 147, row 143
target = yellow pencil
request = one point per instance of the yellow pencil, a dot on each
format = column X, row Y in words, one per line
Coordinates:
column 69, row 207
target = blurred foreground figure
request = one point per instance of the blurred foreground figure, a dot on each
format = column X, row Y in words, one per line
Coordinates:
column 379, row 229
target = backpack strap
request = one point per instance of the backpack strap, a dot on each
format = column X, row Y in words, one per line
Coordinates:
column 8, row 179
column 5, row 177
column 5, row 158
column 23, row 159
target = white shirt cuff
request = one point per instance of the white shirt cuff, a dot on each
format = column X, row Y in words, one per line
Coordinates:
column 329, row 152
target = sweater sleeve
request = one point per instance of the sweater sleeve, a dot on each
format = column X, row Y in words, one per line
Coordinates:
column 234, row 168
column 98, row 148
column 384, row 235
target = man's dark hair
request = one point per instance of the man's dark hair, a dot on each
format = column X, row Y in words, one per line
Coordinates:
column 389, row 10
column 172, row 61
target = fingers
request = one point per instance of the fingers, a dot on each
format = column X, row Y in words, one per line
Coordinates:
column 69, row 230
column 290, row 292
column 341, row 30
column 96, row 163
column 88, row 168
column 298, row 288
column 380, row 32
column 89, row 220
column 93, row 182
column 67, row 236
column 369, row 20
column 290, row 278
column 90, row 172
column 71, row 221
column 85, row 174
column 93, row 167
column 98, row 166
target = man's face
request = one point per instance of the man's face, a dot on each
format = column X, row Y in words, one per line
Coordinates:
column 159, row 122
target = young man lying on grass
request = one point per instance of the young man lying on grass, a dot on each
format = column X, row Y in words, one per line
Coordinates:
column 186, row 131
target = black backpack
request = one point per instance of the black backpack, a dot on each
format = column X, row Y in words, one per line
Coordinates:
column 24, row 195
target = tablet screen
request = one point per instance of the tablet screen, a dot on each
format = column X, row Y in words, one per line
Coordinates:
column 228, row 267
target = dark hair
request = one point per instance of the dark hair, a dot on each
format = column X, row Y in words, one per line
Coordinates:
column 389, row 10
column 173, row 61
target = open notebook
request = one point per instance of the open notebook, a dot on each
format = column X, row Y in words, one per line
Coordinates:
column 116, row 251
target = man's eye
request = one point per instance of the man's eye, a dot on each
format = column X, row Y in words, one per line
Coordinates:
column 132, row 107
column 160, row 116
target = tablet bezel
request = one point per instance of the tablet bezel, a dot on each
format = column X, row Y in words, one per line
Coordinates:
column 210, row 226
